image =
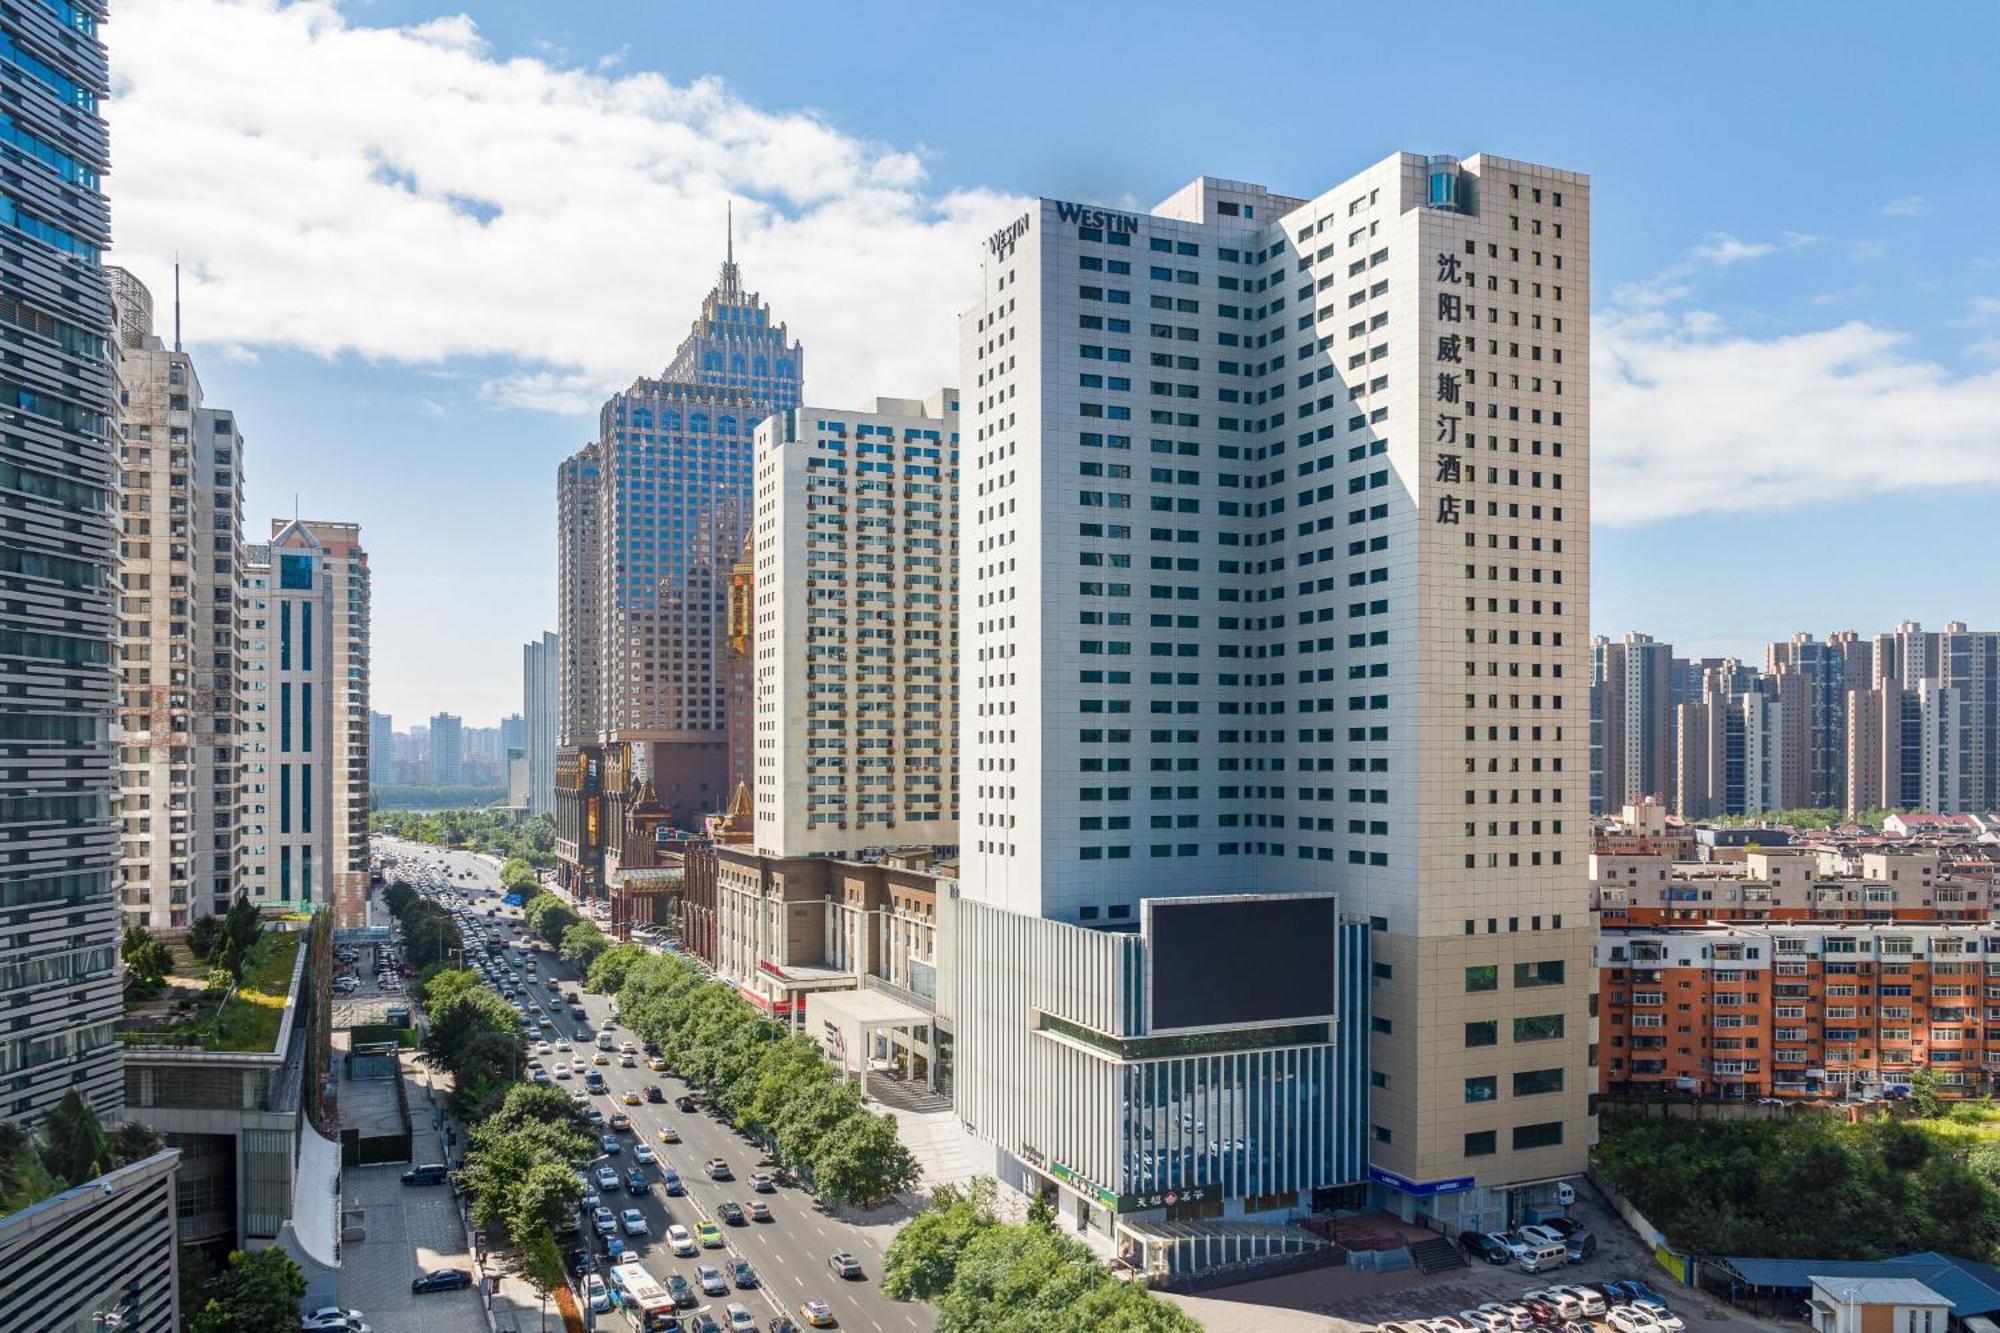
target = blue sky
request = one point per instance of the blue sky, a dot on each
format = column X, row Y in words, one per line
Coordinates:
column 422, row 241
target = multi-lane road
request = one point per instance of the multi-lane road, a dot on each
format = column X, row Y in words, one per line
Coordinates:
column 790, row 1253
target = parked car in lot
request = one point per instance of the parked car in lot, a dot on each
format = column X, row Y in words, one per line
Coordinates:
column 333, row 1323
column 441, row 1279
column 1479, row 1245
column 1632, row 1319
column 430, row 1173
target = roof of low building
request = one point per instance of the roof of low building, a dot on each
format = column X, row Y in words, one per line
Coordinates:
column 1972, row 1288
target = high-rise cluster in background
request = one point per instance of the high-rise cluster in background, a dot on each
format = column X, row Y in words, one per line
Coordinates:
column 1908, row 720
column 1234, row 605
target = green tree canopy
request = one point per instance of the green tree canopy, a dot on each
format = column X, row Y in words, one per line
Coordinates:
column 862, row 1161
column 259, row 1292
column 75, row 1147
column 582, row 943
column 607, row 971
column 203, row 936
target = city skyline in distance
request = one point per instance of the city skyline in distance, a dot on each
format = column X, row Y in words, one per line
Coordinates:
column 1791, row 314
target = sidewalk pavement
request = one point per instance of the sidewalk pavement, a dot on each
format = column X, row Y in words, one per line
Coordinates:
column 513, row 1305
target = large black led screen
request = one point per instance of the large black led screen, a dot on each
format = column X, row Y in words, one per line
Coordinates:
column 1247, row 960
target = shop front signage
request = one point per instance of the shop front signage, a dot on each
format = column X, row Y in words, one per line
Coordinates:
column 1421, row 1189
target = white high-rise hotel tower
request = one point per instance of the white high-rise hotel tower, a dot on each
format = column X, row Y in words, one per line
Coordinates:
column 1274, row 582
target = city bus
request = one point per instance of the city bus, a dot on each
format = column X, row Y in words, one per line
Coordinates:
column 645, row 1299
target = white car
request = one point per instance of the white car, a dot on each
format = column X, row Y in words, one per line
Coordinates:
column 1592, row 1301
column 1514, row 1245
column 1631, row 1319
column 1662, row 1316
column 543, row 1048
column 739, row 1319
column 598, row 1294
column 605, row 1221
column 681, row 1242
column 643, row 1152
column 1537, row 1236
column 1517, row 1316
column 1493, row 1321
column 333, row 1324
column 607, row 1178
column 1566, row 1302
column 342, row 1317
column 634, row 1222
column 562, row 1071
column 1451, row 1323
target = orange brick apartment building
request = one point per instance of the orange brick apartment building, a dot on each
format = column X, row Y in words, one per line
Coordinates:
column 1797, row 1009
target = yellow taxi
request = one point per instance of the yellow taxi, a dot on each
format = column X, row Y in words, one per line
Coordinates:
column 600, row 1059
column 631, row 1099
column 668, row 1134
column 817, row 1313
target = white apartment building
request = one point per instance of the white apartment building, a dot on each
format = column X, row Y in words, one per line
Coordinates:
column 856, row 679
column 1274, row 582
column 304, row 670
column 181, row 501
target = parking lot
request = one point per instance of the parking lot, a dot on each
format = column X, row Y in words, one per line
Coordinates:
column 1350, row 1300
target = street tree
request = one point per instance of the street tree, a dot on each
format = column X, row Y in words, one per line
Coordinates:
column 607, row 971
column 259, row 1292
column 923, row 1257
column 541, row 1264
column 582, row 943
column 863, row 1161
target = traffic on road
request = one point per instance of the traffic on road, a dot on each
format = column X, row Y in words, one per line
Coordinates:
column 685, row 1223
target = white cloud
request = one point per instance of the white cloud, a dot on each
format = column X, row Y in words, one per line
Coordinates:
column 1691, row 420
column 1909, row 206
column 1723, row 249
column 403, row 194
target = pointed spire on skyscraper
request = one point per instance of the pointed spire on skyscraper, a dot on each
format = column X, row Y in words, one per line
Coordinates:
column 732, row 281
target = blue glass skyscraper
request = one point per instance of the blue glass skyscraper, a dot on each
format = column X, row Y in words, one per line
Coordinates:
column 665, row 493
column 58, row 555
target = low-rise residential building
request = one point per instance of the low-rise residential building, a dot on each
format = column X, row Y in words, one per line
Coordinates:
column 1785, row 884
column 1645, row 829
column 1798, row 1009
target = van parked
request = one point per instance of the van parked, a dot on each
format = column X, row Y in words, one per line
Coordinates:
column 1541, row 1258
